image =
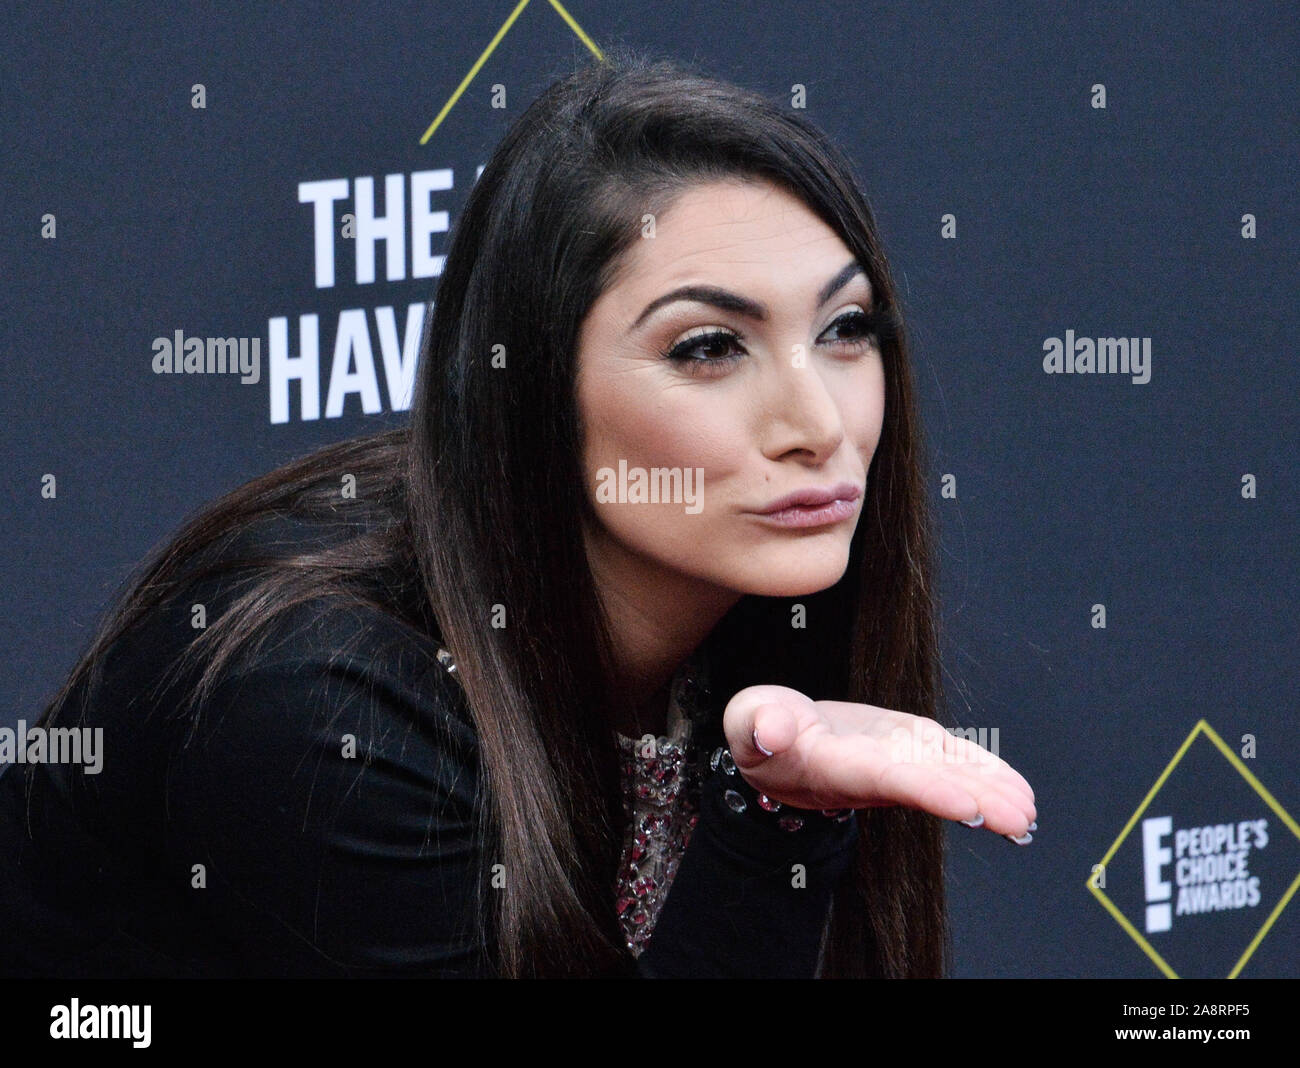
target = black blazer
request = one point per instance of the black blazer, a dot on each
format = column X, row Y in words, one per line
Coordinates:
column 251, row 845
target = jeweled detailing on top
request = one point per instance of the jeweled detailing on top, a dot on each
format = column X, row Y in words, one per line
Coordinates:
column 661, row 790
column 661, row 800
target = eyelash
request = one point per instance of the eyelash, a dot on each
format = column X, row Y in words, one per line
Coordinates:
column 877, row 323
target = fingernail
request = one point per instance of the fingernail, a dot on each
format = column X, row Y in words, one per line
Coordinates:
column 978, row 821
column 759, row 745
column 1034, row 826
column 1024, row 839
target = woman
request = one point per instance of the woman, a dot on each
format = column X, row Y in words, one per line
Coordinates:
column 618, row 661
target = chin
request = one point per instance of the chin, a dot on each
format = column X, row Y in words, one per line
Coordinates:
column 796, row 579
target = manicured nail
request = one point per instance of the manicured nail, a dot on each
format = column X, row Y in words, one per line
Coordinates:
column 1024, row 839
column 978, row 821
column 1034, row 826
column 759, row 745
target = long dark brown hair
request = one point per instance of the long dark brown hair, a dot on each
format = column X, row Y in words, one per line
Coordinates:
column 445, row 521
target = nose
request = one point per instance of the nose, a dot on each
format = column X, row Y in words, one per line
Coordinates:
column 801, row 414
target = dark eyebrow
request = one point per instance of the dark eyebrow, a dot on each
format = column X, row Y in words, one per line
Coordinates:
column 752, row 309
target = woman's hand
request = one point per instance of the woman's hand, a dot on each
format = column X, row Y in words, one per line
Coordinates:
column 837, row 754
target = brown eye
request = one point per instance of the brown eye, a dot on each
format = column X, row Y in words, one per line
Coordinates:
column 713, row 347
column 857, row 324
column 880, row 323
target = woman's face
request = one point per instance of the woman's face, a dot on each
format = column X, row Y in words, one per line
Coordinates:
column 773, row 390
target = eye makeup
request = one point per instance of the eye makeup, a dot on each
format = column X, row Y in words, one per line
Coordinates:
column 880, row 324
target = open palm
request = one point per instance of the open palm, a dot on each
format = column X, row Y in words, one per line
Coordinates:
column 839, row 754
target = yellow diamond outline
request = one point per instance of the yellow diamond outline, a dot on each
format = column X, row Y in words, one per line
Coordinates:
column 1202, row 727
column 496, row 40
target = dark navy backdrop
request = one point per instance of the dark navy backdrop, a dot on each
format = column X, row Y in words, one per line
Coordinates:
column 1168, row 214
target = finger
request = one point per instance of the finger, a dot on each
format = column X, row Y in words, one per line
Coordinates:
column 953, row 792
column 992, row 768
column 1004, row 807
column 992, row 765
column 998, row 779
column 759, row 724
column 1002, row 814
column 915, row 786
column 962, row 749
column 928, row 744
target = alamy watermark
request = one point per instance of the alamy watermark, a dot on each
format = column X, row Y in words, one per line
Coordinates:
column 53, row 745
column 178, row 355
column 930, row 743
column 657, row 485
column 1100, row 356
column 76, row 1020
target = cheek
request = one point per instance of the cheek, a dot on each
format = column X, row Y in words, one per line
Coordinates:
column 678, row 428
column 864, row 419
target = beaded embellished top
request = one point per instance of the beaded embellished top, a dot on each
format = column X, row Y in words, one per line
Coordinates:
column 661, row 799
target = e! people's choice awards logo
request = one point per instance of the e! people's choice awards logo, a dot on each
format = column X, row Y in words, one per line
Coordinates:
column 1211, row 866
column 1198, row 877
